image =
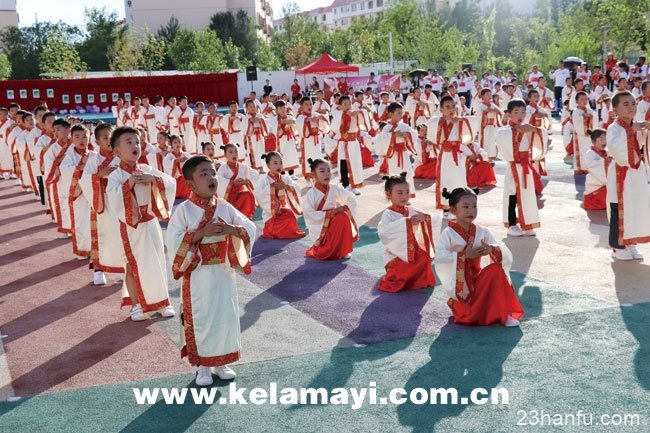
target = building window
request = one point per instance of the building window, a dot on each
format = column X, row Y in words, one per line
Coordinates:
column 380, row 3
column 344, row 21
column 324, row 17
column 354, row 7
column 315, row 18
column 334, row 11
column 362, row 5
column 370, row 5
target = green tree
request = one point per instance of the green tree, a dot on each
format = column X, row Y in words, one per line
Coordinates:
column 198, row 51
column 167, row 34
column 238, row 28
column 103, row 31
column 5, row 67
column 126, row 53
column 60, row 57
column 154, row 52
column 266, row 60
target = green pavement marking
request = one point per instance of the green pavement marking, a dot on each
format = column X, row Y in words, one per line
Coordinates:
column 593, row 361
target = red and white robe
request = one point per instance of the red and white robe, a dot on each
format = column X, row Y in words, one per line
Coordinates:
column 174, row 168
column 286, row 141
column 342, row 143
column 643, row 115
column 311, row 130
column 280, row 208
column 185, row 121
column 479, row 170
column 597, row 163
column 72, row 168
column 332, row 235
column 25, row 156
column 106, row 249
column 59, row 199
column 426, row 160
column 138, row 210
column 490, row 122
column 6, row 158
column 519, row 149
column 452, row 139
column 539, row 163
column 209, row 131
column 242, row 197
column 478, row 295
column 149, row 119
column 419, row 110
column 627, row 184
column 408, row 250
column 256, row 132
column 583, row 120
column 41, row 147
column 567, row 133
column 211, row 331
column 233, row 127
column 398, row 151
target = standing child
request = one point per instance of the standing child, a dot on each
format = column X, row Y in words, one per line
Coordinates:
column 583, row 119
column 278, row 196
column 72, row 167
column 105, row 245
column 284, row 127
column 398, row 145
column 162, row 150
column 330, row 216
column 597, row 162
column 344, row 145
column 256, row 133
column 236, row 182
column 138, row 196
column 233, row 124
column 478, row 296
column 207, row 239
column 52, row 161
column 489, row 115
column 311, row 127
column 452, row 135
column 519, row 144
column 627, row 182
column 173, row 164
column 407, row 236
column 207, row 149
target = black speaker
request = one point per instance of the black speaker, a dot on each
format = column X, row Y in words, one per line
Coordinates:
column 251, row 73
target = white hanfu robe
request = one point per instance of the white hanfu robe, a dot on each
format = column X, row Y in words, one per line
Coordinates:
column 343, row 142
column 256, row 132
column 6, row 159
column 59, row 201
column 106, row 245
column 643, row 115
column 488, row 130
column 627, row 185
column 519, row 150
column 286, row 134
column 72, row 168
column 452, row 139
column 138, row 210
column 315, row 206
column 399, row 150
column 234, row 127
column 212, row 133
column 185, row 121
column 311, row 130
column 583, row 120
column 211, row 334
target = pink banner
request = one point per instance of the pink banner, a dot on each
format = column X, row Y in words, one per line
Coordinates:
column 361, row 83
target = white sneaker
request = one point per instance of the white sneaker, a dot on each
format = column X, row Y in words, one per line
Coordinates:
column 203, row 376
column 511, row 322
column 515, row 231
column 530, row 232
column 224, row 372
column 99, row 279
column 19, row 183
column 62, row 236
column 82, row 257
column 356, row 191
column 168, row 311
column 136, row 313
column 12, row 176
column 622, row 254
column 118, row 278
column 636, row 255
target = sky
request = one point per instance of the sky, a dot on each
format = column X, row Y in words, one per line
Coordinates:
column 72, row 13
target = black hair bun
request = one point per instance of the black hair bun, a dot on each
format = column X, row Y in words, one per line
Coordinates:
column 385, row 178
column 310, row 161
column 476, row 190
column 263, row 157
column 222, row 147
column 445, row 193
column 402, row 174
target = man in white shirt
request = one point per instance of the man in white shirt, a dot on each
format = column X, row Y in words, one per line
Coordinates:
column 533, row 77
column 559, row 76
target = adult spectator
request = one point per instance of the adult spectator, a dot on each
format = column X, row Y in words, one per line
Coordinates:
column 533, row 77
column 559, row 77
column 610, row 65
column 268, row 89
column 295, row 91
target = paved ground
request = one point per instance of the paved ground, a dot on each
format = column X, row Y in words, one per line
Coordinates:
column 69, row 357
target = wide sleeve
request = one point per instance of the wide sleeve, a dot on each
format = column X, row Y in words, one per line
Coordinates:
column 313, row 217
column 121, row 200
column 596, row 166
column 178, row 240
column 87, row 182
column 432, row 130
column 163, row 193
column 578, row 122
column 617, row 146
column 223, row 180
column 539, row 143
column 262, row 192
column 392, row 230
column 504, row 143
column 66, row 168
column 242, row 245
column 501, row 254
column 168, row 163
column 445, row 263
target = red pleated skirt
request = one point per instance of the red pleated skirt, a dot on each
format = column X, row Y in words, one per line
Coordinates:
column 244, row 202
column 383, row 168
column 539, row 186
column 282, row 226
column 366, row 157
column 426, row 171
column 481, row 174
column 182, row 190
column 596, row 200
column 338, row 240
column 492, row 301
column 401, row 275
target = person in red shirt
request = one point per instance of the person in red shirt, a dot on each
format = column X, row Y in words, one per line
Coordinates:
column 595, row 77
column 295, row 90
column 610, row 64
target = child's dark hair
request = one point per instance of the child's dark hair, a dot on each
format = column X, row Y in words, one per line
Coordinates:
column 314, row 163
column 596, row 133
column 206, row 144
column 280, row 103
column 447, row 98
column 119, row 132
column 484, row 91
column 514, row 104
column 391, row 181
column 421, row 126
column 190, row 165
column 458, row 193
column 269, row 155
column 99, row 128
column 47, row 115
column 225, row 147
column 77, row 128
column 394, row 106
column 61, row 122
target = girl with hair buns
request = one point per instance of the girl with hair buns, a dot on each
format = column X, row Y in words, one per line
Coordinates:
column 478, row 296
column 235, row 181
column 407, row 236
column 173, row 165
column 278, row 196
column 330, row 215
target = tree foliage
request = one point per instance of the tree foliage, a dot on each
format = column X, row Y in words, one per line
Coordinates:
column 198, row 50
column 103, row 31
column 60, row 57
column 239, row 29
column 5, row 67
